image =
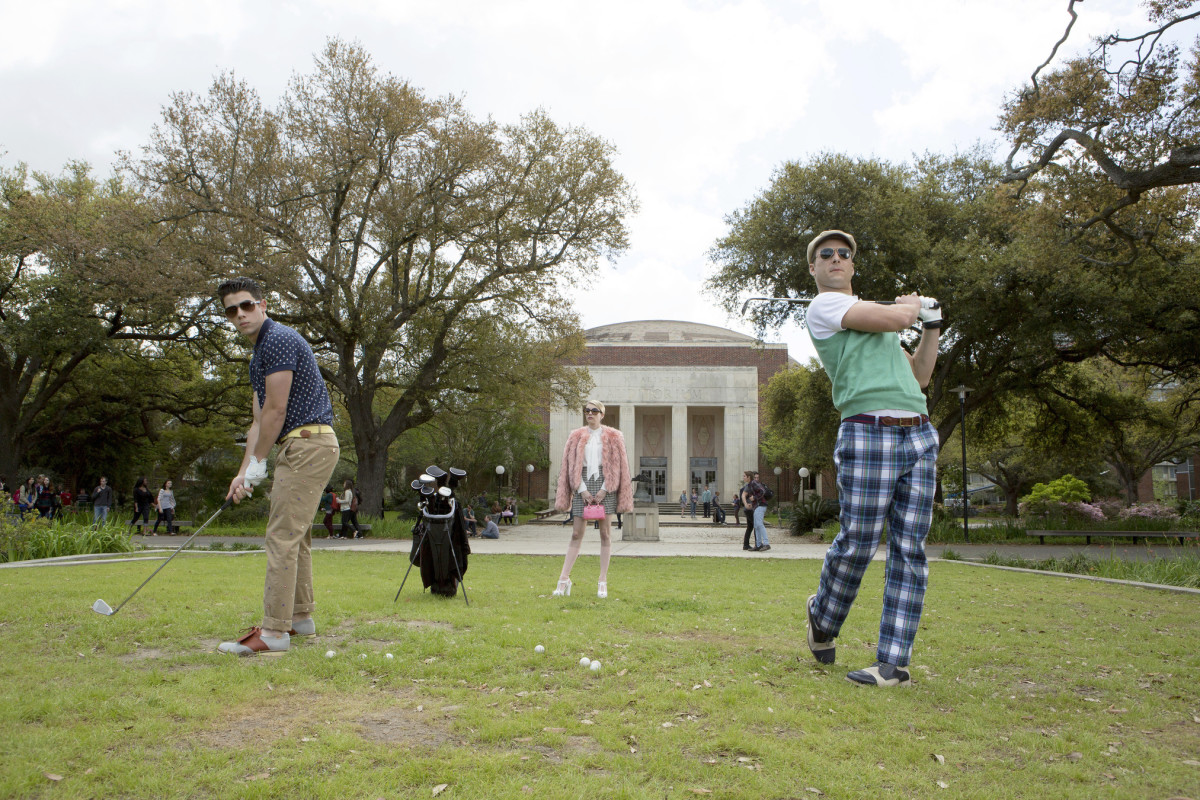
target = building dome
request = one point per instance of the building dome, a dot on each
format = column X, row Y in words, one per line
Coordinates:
column 665, row 331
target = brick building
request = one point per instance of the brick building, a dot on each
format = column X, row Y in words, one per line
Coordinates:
column 686, row 397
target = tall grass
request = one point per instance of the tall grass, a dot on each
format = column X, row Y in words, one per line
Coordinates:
column 1183, row 569
column 41, row 538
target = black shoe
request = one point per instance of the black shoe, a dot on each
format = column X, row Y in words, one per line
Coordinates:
column 880, row 674
column 762, row 548
column 747, row 547
column 821, row 644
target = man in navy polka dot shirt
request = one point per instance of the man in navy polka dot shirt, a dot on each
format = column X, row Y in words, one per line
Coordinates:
column 291, row 407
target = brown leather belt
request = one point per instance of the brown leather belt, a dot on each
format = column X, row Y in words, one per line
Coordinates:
column 889, row 422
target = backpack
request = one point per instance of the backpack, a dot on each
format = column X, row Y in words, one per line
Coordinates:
column 355, row 500
column 337, row 504
column 767, row 493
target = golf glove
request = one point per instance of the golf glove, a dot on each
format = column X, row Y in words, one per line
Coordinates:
column 930, row 313
column 256, row 473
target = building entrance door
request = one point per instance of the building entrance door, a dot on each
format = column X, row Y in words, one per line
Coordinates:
column 656, row 470
column 704, row 473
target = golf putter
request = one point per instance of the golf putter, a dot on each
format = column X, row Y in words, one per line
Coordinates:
column 101, row 607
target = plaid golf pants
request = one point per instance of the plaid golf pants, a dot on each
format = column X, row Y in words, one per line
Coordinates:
column 884, row 474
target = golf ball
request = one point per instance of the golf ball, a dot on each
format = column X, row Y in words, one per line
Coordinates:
column 389, row 655
column 583, row 662
column 539, row 649
column 595, row 666
column 330, row 654
column 362, row 656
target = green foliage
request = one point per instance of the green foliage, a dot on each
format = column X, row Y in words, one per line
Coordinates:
column 801, row 420
column 811, row 514
column 41, row 538
column 1067, row 489
column 1178, row 569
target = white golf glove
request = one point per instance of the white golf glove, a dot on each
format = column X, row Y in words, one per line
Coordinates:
column 256, row 472
column 930, row 313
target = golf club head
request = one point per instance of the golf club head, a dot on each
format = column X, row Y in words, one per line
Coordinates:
column 456, row 475
column 438, row 474
column 101, row 607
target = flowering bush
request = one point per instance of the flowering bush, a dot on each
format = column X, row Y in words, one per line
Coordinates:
column 1152, row 510
column 1111, row 506
column 1087, row 511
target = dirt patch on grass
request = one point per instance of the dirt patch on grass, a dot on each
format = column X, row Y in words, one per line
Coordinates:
column 392, row 718
column 573, row 746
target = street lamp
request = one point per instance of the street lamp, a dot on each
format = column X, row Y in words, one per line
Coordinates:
column 529, row 483
column 803, row 473
column 962, row 392
column 499, row 475
column 778, row 505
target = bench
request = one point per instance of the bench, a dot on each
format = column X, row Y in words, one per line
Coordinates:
column 1135, row 535
column 337, row 526
column 549, row 512
column 176, row 525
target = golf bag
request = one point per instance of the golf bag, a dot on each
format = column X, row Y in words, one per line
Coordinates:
column 718, row 515
column 440, row 549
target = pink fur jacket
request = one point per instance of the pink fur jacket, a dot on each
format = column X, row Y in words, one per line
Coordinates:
column 612, row 457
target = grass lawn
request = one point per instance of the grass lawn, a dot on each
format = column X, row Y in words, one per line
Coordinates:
column 1024, row 686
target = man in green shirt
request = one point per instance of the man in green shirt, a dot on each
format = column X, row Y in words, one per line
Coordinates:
column 886, row 455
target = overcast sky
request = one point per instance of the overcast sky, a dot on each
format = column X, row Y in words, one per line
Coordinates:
column 703, row 99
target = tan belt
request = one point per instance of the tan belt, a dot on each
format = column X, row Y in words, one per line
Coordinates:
column 305, row 431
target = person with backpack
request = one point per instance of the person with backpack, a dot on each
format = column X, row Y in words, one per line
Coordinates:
column 349, row 505
column 326, row 506
column 754, row 498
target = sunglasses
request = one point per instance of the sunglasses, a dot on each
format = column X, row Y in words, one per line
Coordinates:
column 590, row 410
column 245, row 305
column 827, row 253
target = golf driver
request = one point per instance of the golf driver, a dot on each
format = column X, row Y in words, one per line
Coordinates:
column 101, row 607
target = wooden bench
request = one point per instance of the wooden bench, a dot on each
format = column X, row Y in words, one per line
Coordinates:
column 1135, row 535
column 549, row 512
column 337, row 526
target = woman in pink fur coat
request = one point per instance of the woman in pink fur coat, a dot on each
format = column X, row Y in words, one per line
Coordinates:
column 595, row 469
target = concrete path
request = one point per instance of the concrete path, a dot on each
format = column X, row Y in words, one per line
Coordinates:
column 712, row 541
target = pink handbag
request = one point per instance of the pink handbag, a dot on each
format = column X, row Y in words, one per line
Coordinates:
column 594, row 511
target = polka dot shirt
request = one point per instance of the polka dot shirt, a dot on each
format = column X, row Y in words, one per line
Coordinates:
column 278, row 348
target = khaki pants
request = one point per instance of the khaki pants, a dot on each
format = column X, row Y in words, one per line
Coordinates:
column 302, row 469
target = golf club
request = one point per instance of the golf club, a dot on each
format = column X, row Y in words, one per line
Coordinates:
column 927, row 302
column 101, row 607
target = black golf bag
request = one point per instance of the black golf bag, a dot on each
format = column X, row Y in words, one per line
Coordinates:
column 718, row 515
column 440, row 549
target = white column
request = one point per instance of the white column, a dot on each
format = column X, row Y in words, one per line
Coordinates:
column 733, row 463
column 629, row 430
column 679, row 451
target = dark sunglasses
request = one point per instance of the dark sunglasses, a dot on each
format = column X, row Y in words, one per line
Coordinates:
column 590, row 410
column 827, row 253
column 245, row 305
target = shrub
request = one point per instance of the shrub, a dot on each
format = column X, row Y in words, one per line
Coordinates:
column 41, row 538
column 1151, row 510
column 812, row 513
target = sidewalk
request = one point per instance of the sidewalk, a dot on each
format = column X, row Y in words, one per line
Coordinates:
column 544, row 538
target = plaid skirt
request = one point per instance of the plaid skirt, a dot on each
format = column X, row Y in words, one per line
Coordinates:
column 593, row 486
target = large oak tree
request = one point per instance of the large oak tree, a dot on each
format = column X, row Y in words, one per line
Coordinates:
column 422, row 251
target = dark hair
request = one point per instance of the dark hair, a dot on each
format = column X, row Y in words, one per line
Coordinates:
column 140, row 482
column 348, row 483
column 168, row 480
column 235, row 285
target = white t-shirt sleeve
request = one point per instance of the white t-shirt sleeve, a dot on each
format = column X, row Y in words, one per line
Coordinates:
column 826, row 311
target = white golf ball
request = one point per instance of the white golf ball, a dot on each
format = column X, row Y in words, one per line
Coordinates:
column 539, row 649
column 583, row 662
column 362, row 656
column 389, row 655
column 330, row 654
column 595, row 666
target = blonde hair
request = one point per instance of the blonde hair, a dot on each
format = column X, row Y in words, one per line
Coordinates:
column 595, row 403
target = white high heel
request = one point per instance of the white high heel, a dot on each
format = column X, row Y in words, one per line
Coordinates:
column 564, row 588
column 602, row 589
